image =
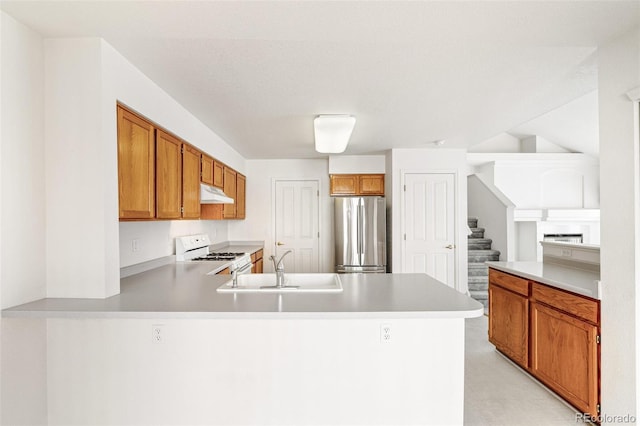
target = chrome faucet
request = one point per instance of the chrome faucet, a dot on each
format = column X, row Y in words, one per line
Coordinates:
column 278, row 266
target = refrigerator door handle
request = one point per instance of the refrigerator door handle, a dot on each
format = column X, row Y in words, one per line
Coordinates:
column 360, row 232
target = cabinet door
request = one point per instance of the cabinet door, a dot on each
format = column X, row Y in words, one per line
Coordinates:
column 207, row 170
column 229, row 211
column 371, row 185
column 218, row 174
column 190, row 182
column 168, row 176
column 136, row 167
column 241, row 185
column 564, row 355
column 509, row 323
column 343, row 184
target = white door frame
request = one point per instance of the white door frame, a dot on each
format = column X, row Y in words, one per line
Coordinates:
column 456, row 228
column 272, row 243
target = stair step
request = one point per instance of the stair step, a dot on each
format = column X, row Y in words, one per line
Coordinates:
column 479, row 243
column 483, row 255
column 477, row 269
column 479, row 287
column 477, row 233
column 479, row 295
column 472, row 222
column 479, row 279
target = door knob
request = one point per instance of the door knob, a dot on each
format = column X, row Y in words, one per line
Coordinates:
column 451, row 246
column 279, row 243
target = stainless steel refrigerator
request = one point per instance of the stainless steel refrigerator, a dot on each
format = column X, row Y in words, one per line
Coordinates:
column 360, row 234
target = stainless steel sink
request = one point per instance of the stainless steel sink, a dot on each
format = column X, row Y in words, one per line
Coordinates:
column 294, row 283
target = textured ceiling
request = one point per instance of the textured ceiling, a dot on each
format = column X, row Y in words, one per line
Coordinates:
column 257, row 73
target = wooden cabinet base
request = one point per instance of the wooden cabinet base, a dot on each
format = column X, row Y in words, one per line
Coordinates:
column 553, row 334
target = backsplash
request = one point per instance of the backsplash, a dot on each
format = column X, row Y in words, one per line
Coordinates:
column 144, row 241
column 582, row 256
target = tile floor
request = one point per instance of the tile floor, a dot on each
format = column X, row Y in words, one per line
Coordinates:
column 497, row 393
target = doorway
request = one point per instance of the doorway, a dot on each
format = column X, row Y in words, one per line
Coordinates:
column 429, row 225
column 296, row 224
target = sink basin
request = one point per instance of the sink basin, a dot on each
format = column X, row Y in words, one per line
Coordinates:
column 296, row 283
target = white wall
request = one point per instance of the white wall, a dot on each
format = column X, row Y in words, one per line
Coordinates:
column 549, row 183
column 430, row 161
column 156, row 239
column 280, row 372
column 85, row 78
column 258, row 224
column 22, row 181
column 356, row 164
column 495, row 214
column 619, row 72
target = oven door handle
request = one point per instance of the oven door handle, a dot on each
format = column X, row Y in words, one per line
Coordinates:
column 244, row 269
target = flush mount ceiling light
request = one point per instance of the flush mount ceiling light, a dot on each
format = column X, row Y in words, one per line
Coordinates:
column 332, row 132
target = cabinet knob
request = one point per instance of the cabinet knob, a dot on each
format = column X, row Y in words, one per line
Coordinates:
column 279, row 243
column 451, row 246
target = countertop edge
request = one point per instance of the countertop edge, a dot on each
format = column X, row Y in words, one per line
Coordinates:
column 44, row 314
column 577, row 289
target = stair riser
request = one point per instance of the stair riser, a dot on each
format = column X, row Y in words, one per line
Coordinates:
column 479, row 246
column 477, row 234
column 479, row 288
column 484, row 258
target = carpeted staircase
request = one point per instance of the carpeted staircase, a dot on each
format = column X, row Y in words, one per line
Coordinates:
column 479, row 252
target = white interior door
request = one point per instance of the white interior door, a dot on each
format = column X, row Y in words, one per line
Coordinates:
column 429, row 223
column 297, row 224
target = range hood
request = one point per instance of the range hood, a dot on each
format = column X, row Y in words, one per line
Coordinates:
column 212, row 195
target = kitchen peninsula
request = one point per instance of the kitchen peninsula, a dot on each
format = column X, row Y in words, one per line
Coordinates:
column 545, row 316
column 388, row 349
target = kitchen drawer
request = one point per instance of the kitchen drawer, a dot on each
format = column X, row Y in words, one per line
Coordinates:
column 509, row 282
column 579, row 306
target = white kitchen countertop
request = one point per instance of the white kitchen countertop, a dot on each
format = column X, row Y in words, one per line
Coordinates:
column 184, row 290
column 579, row 281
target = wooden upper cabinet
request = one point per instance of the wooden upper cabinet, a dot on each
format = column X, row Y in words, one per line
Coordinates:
column 229, row 210
column 357, row 184
column 241, row 187
column 218, row 174
column 207, row 170
column 371, row 184
column 136, row 166
column 190, row 182
column 168, row 176
column 343, row 184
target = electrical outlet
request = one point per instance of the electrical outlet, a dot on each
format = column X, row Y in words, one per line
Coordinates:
column 135, row 243
column 385, row 333
column 157, row 333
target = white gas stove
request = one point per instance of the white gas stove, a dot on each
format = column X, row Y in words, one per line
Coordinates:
column 195, row 248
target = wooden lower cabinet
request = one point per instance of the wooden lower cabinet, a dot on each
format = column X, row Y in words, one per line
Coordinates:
column 564, row 355
column 257, row 261
column 551, row 333
column 509, row 323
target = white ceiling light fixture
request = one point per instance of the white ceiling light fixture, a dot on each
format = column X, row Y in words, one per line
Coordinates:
column 332, row 132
